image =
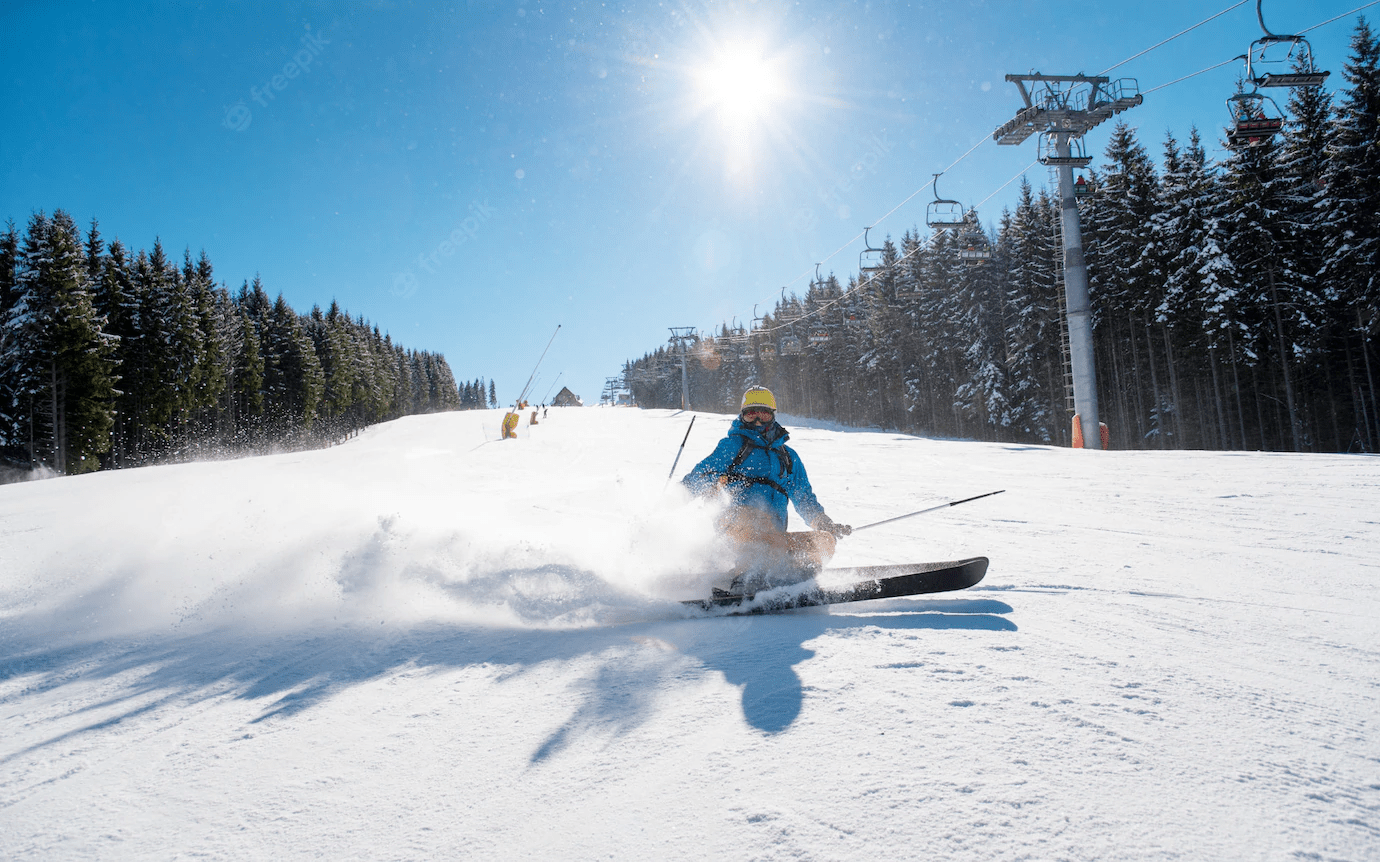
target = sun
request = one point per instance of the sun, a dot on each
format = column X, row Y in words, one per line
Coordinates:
column 740, row 84
column 743, row 90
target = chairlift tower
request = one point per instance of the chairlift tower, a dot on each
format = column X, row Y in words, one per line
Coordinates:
column 680, row 335
column 1063, row 108
column 613, row 386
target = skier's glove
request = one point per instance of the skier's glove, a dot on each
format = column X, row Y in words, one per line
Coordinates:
column 828, row 525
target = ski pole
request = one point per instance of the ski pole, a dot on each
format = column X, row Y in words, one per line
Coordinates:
column 930, row 509
column 680, row 451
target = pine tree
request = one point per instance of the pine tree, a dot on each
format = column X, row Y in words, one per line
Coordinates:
column 1351, row 214
column 1033, row 338
column 1271, row 295
column 336, row 351
column 212, row 348
column 1303, row 168
column 1126, row 286
column 111, row 292
column 11, row 397
column 152, row 362
column 293, row 382
column 57, row 360
column 247, row 384
column 1198, row 303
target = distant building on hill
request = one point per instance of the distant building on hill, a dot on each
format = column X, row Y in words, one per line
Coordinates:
column 566, row 398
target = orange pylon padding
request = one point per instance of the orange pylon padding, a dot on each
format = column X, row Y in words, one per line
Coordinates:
column 1102, row 432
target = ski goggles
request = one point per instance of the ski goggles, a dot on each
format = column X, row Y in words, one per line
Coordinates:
column 765, row 412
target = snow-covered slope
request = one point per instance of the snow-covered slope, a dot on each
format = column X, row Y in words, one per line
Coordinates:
column 422, row 645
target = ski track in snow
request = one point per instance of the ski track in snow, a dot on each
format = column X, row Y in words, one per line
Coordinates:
column 421, row 644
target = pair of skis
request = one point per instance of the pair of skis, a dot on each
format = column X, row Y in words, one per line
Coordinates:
column 860, row 584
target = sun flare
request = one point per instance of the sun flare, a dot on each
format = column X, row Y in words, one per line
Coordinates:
column 740, row 84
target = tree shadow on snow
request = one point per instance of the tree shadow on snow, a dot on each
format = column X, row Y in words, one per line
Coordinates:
column 290, row 672
column 283, row 675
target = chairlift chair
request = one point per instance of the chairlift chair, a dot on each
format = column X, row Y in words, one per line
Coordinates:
column 1267, row 51
column 1049, row 151
column 768, row 349
column 819, row 336
column 975, row 252
column 973, row 247
column 942, row 213
column 756, row 321
column 1256, row 119
column 1082, row 188
column 790, row 345
column 870, row 260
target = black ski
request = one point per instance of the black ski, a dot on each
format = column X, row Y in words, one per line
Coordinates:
column 863, row 583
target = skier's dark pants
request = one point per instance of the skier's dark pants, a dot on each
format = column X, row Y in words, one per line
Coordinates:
column 766, row 554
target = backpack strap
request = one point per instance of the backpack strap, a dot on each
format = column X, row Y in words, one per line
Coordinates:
column 743, row 451
column 732, row 476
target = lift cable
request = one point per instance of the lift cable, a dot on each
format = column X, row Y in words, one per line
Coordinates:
column 1172, row 38
column 1343, row 15
column 1018, row 175
column 1195, row 74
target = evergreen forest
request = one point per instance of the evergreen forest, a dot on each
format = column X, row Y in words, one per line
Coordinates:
column 1235, row 303
column 116, row 359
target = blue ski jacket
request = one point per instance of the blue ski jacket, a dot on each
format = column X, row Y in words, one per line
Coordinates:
column 760, row 470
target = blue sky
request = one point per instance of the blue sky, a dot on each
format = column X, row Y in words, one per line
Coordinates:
column 469, row 176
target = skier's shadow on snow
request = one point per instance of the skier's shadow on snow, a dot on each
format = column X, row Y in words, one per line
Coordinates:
column 760, row 653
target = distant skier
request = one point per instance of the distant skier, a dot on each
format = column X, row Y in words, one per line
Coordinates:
column 761, row 473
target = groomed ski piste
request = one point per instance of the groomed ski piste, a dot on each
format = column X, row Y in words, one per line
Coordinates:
column 423, row 645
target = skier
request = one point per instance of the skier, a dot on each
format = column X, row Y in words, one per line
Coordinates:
column 761, row 473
